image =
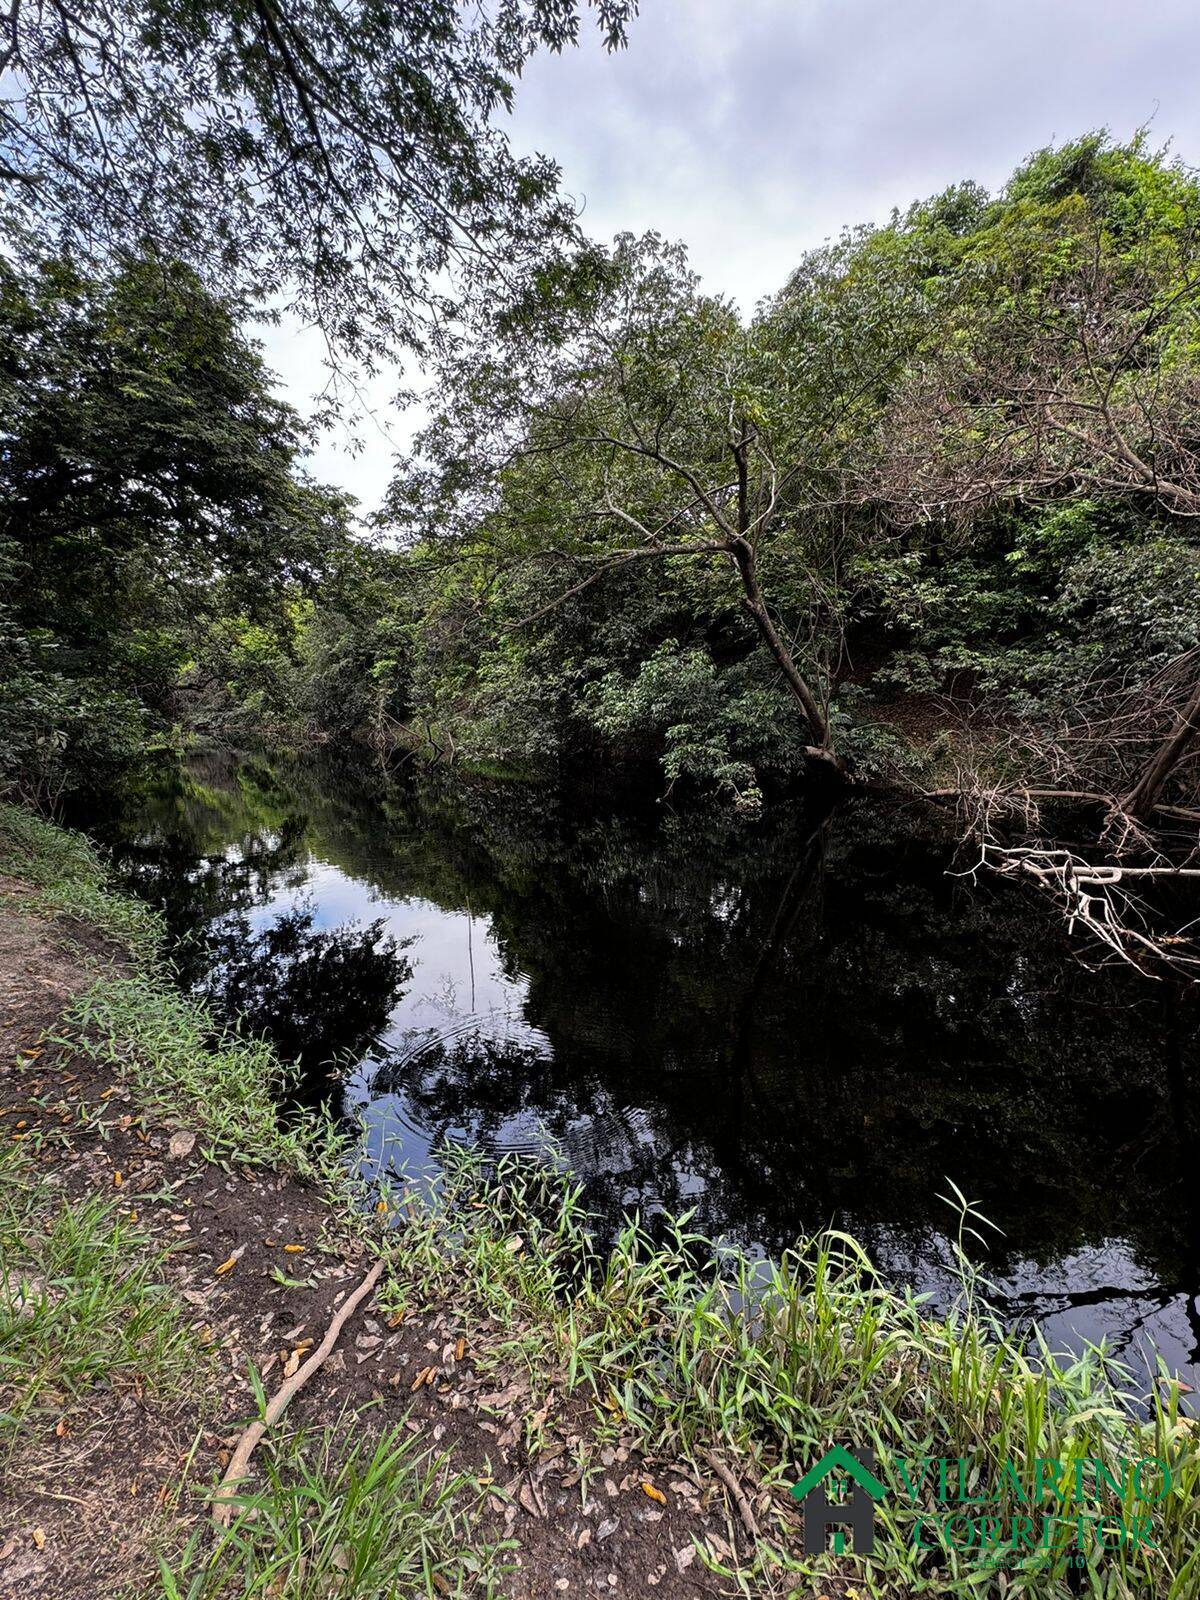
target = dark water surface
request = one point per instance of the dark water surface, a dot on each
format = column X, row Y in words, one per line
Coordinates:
column 783, row 1026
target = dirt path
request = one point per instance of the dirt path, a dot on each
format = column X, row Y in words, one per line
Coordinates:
column 85, row 1498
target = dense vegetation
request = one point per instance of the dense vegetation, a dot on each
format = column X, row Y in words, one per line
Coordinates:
column 930, row 512
column 945, row 478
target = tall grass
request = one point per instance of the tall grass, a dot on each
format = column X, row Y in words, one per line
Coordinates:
column 388, row 1519
column 82, row 1302
column 71, row 879
column 696, row 1349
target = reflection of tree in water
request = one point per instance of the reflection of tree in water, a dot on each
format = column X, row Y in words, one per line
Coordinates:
column 794, row 1024
column 321, row 997
column 788, row 1024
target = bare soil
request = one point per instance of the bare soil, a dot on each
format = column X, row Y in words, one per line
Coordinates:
column 88, row 1497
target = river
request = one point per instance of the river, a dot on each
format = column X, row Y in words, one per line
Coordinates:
column 778, row 1025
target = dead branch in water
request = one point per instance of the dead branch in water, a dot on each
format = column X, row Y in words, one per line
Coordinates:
column 1097, row 899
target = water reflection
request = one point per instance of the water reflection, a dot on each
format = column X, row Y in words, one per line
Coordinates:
column 323, row 998
column 785, row 1026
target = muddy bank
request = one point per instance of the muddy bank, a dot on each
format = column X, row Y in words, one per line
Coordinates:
column 100, row 1479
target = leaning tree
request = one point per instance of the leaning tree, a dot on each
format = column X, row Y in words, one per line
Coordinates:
column 648, row 423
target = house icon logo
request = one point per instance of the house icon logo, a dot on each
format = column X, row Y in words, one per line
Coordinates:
column 856, row 1513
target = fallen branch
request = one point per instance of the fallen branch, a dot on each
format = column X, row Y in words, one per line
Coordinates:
column 1083, row 796
column 240, row 1459
column 738, row 1494
column 1093, row 896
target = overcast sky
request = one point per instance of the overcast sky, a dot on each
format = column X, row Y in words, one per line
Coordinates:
column 754, row 129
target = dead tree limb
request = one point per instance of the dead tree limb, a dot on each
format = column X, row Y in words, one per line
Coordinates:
column 248, row 1443
column 736, row 1492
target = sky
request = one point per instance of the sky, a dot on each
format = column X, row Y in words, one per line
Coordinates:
column 755, row 129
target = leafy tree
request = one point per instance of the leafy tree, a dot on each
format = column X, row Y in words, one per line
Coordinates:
column 1060, row 367
column 149, row 483
column 340, row 155
column 618, row 504
column 649, row 425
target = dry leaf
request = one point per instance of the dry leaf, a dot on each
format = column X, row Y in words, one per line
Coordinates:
column 527, row 1495
column 181, row 1143
column 460, row 1349
column 420, row 1378
column 291, row 1365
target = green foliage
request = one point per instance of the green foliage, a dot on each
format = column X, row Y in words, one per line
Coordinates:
column 71, row 879
column 696, row 1345
column 168, row 1047
column 382, row 1519
column 571, row 589
column 162, row 1041
column 930, row 538
column 336, row 158
column 714, row 726
column 150, row 487
column 82, row 1302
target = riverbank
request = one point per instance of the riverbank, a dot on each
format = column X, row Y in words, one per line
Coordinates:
column 511, row 1411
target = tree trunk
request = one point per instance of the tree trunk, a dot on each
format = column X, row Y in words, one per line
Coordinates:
column 754, row 604
column 1146, row 792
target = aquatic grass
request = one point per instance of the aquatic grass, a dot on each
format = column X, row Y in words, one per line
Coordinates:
column 71, row 879
column 383, row 1519
column 82, row 1302
column 698, row 1348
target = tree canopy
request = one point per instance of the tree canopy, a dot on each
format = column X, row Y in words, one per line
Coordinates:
column 150, row 483
column 340, row 158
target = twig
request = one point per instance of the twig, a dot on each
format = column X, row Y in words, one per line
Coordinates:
column 246, row 1445
column 737, row 1493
